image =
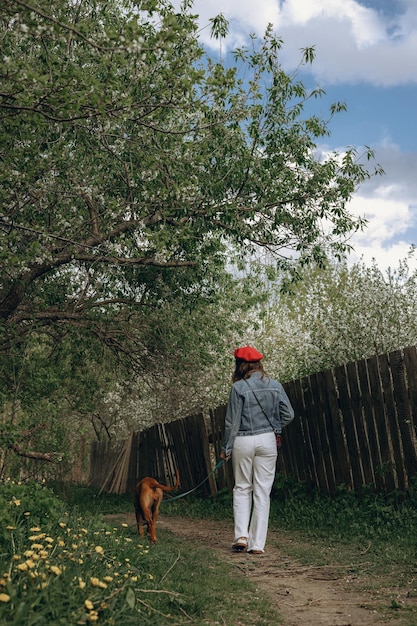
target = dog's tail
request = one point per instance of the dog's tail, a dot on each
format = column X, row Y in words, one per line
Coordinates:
column 177, row 483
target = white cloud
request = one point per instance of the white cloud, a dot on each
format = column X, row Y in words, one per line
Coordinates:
column 387, row 218
column 389, row 204
column 353, row 42
column 364, row 24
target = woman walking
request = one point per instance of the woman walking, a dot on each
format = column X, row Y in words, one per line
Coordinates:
column 257, row 411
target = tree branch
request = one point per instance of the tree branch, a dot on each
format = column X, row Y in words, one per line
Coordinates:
column 50, row 457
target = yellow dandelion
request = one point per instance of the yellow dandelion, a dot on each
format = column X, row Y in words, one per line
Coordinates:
column 37, row 537
column 16, row 557
column 108, row 579
column 27, row 513
column 81, row 584
column 37, row 546
column 93, row 616
column 56, row 570
column 134, row 578
column 49, row 540
column 74, row 546
column 10, row 527
column 84, row 530
column 80, row 561
column 89, row 605
column 61, row 543
column 150, row 576
column 96, row 582
column 3, row 582
column 4, row 597
column 124, row 525
column 29, row 553
column 128, row 539
column 35, row 529
column 23, row 567
column 62, row 524
column 99, row 549
column 15, row 501
column 30, row 563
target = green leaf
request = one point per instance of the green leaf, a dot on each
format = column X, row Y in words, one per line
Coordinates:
column 130, row 598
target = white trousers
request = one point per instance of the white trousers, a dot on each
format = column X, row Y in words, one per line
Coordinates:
column 254, row 461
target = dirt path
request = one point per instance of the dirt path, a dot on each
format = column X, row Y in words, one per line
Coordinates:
column 303, row 595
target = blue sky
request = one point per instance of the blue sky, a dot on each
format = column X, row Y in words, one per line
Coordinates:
column 366, row 53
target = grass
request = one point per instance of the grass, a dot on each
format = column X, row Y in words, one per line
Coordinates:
column 370, row 539
column 60, row 563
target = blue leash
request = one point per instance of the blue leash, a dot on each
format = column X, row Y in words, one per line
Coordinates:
column 181, row 495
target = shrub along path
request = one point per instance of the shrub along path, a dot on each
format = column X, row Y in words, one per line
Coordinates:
column 332, row 594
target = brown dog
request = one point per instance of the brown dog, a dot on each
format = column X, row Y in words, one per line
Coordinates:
column 147, row 499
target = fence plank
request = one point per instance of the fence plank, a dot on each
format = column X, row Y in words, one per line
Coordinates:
column 369, row 421
column 225, row 472
column 301, row 408
column 294, row 447
column 410, row 362
column 334, row 427
column 378, row 400
column 183, row 460
column 313, row 421
column 358, row 418
column 319, row 391
column 403, row 411
column 349, row 426
column 197, row 460
column 392, row 425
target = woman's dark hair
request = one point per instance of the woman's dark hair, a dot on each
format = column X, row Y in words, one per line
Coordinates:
column 244, row 369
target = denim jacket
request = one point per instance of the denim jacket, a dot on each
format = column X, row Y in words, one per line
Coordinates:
column 244, row 416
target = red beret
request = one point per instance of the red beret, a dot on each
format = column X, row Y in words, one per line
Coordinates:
column 248, row 354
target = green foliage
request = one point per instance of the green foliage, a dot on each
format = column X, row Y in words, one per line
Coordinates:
column 69, row 568
column 24, row 505
column 348, row 517
column 340, row 314
column 219, row 26
column 141, row 166
column 137, row 175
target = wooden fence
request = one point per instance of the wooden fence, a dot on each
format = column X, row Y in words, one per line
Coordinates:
column 355, row 425
column 157, row 451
